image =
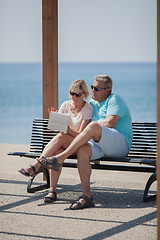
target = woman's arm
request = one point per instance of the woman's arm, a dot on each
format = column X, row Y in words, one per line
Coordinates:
column 52, row 109
column 82, row 127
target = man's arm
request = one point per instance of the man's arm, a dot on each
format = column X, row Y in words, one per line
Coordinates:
column 110, row 121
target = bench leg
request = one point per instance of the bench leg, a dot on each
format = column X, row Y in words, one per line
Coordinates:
column 149, row 183
column 40, row 187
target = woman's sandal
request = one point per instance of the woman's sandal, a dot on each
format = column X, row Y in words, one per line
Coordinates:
column 49, row 199
column 78, row 205
column 54, row 165
column 26, row 173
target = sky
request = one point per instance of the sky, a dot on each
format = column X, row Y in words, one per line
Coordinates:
column 89, row 30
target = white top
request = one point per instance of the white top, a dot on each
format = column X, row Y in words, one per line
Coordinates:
column 76, row 119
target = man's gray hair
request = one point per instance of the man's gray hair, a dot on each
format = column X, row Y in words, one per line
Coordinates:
column 106, row 79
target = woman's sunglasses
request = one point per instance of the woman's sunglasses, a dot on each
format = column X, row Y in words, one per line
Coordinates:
column 77, row 94
column 96, row 89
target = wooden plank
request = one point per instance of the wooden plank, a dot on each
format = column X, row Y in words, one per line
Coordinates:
column 50, row 54
column 145, row 148
column 158, row 119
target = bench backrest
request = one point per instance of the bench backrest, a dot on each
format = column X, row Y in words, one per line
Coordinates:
column 144, row 143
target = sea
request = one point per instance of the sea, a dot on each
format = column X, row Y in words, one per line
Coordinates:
column 21, row 92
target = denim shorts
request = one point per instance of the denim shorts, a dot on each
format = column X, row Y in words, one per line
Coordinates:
column 112, row 144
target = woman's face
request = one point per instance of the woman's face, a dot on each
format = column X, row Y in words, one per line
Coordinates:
column 77, row 96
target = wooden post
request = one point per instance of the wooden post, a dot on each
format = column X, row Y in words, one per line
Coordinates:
column 50, row 54
column 158, row 120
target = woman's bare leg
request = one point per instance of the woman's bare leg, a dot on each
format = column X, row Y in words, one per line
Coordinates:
column 54, row 175
column 58, row 142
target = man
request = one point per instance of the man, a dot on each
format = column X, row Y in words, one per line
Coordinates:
column 109, row 134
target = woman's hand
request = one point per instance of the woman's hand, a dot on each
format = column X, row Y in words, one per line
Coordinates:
column 71, row 132
column 52, row 109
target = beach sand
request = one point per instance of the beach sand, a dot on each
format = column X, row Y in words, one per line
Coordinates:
column 119, row 211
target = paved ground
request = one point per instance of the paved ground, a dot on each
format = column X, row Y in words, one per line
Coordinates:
column 119, row 213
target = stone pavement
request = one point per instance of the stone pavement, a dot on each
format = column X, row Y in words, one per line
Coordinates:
column 119, row 212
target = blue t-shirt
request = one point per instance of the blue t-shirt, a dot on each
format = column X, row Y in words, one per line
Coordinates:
column 114, row 105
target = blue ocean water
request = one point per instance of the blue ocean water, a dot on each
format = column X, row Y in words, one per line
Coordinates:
column 21, row 92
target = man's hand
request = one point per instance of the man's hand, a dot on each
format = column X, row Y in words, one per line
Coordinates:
column 110, row 121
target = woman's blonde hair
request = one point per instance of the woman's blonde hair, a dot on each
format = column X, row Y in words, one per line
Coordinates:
column 79, row 86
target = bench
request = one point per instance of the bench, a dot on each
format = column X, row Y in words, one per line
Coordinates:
column 141, row 158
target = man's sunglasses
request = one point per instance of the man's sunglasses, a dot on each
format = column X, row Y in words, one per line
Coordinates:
column 77, row 94
column 96, row 89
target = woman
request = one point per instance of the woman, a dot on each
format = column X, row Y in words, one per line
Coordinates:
column 80, row 115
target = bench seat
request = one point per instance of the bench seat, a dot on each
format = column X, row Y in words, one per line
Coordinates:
column 141, row 158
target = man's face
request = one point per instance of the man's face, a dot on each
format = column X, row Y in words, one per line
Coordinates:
column 100, row 95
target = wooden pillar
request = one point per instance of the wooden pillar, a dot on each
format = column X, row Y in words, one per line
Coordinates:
column 158, row 119
column 50, row 54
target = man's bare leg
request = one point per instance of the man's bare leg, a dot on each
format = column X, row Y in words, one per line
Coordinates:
column 84, row 168
column 92, row 131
